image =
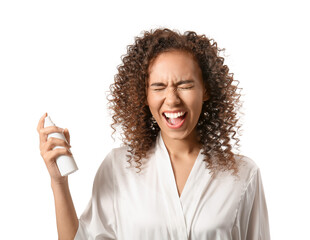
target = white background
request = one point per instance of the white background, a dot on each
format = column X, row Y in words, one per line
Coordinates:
column 60, row 57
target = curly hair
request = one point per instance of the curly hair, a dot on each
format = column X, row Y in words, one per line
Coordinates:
column 218, row 123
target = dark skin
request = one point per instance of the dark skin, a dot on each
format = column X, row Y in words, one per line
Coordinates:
column 176, row 84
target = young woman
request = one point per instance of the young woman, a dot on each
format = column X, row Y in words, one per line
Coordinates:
column 176, row 177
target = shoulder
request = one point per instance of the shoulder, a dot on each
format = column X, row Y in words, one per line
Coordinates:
column 118, row 152
column 115, row 157
column 116, row 161
column 247, row 167
column 246, row 163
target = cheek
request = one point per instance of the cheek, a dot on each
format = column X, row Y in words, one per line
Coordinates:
column 193, row 99
column 194, row 102
column 154, row 102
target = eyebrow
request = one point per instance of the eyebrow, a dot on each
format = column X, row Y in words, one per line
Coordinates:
column 159, row 84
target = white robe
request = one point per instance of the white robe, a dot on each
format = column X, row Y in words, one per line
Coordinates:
column 146, row 206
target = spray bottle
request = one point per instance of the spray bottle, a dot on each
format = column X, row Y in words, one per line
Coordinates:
column 65, row 163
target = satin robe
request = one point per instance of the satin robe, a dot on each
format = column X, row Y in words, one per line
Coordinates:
column 127, row 205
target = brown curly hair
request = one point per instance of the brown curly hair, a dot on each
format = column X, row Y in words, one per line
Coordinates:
column 217, row 124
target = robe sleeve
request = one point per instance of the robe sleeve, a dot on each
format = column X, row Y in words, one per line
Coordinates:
column 252, row 218
column 97, row 222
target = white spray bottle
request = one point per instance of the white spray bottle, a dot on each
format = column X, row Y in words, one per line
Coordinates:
column 65, row 163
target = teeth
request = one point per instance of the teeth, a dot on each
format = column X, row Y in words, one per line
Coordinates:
column 174, row 115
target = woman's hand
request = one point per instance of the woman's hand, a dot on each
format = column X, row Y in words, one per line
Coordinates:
column 46, row 149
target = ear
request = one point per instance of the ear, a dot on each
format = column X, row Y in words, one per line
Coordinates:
column 205, row 95
column 145, row 102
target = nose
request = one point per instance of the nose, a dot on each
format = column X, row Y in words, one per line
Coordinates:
column 172, row 97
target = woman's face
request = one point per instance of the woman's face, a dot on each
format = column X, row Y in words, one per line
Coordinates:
column 175, row 94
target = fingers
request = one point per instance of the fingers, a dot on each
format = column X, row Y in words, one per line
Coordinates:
column 50, row 129
column 41, row 122
column 53, row 147
column 41, row 129
column 50, row 156
column 52, row 142
column 44, row 132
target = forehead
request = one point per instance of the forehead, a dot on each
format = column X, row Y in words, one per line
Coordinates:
column 174, row 65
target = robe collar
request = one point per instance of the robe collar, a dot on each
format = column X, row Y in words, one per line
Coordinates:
column 179, row 206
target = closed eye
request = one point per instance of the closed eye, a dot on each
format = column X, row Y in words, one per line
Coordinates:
column 186, row 87
column 182, row 88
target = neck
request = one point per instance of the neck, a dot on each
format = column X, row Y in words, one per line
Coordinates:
column 181, row 148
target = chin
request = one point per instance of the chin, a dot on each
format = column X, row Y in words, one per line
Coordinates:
column 176, row 135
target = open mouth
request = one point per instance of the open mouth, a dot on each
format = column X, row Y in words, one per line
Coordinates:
column 174, row 121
